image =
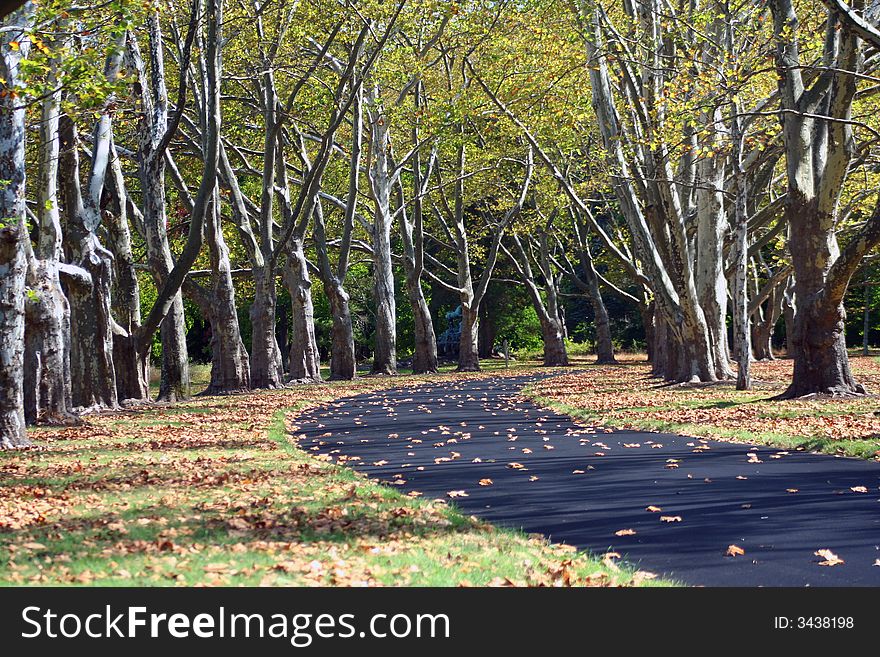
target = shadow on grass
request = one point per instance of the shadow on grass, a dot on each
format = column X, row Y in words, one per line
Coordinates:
column 175, row 530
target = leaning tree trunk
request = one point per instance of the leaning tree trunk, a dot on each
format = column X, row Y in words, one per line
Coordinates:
column 304, row 362
column 174, row 381
column 267, row 370
column 132, row 364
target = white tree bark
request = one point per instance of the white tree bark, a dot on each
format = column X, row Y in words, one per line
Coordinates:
column 13, row 234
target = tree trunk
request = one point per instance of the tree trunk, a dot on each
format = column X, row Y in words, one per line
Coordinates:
column 92, row 372
column 487, row 333
column 413, row 237
column 740, row 259
column 303, row 358
column 646, row 312
column 230, row 370
column 13, row 234
column 267, row 369
column 866, row 319
column 817, row 342
column 12, row 281
column 555, row 354
column 381, row 181
column 761, row 335
column 663, row 361
column 385, row 347
column 47, row 383
column 763, row 325
column 174, row 381
column 343, row 365
column 818, row 156
column 425, row 354
column 712, row 289
column 91, row 329
column 468, row 352
column 132, row 367
column 604, row 345
column 132, row 364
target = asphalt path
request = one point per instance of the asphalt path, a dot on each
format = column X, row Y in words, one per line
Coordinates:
column 583, row 485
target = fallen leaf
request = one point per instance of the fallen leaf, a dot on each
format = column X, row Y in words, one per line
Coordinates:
column 734, row 551
column 608, row 560
column 653, row 509
column 625, row 532
column 828, row 557
column 457, row 493
column 486, row 482
column 670, row 518
column 33, row 546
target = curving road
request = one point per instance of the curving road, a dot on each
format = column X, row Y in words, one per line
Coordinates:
column 581, row 485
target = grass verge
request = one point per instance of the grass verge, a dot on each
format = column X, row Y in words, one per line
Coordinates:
column 626, row 397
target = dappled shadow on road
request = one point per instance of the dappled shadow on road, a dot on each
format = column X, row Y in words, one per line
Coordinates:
column 543, row 473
